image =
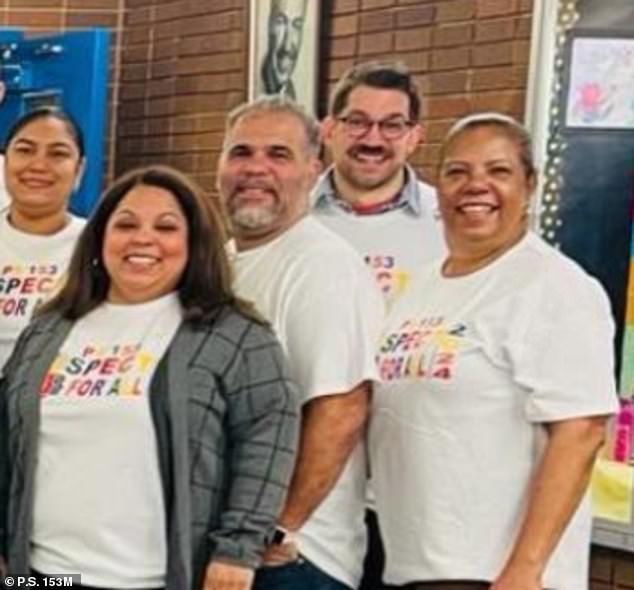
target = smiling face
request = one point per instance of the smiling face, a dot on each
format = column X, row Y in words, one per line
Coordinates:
column 145, row 247
column 42, row 164
column 265, row 173
column 371, row 161
column 286, row 25
column 484, row 191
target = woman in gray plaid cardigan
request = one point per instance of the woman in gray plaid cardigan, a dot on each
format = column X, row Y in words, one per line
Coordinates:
column 223, row 412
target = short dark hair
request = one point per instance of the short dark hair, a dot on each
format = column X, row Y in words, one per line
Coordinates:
column 205, row 286
column 375, row 74
column 74, row 130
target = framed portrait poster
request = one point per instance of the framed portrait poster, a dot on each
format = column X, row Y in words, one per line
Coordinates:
column 284, row 49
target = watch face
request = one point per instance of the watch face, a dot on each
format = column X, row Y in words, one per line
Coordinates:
column 278, row 537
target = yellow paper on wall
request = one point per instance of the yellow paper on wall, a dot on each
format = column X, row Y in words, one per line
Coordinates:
column 611, row 487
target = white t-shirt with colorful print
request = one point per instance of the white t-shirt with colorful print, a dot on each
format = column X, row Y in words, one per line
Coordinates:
column 395, row 244
column 472, row 368
column 30, row 268
column 327, row 313
column 99, row 506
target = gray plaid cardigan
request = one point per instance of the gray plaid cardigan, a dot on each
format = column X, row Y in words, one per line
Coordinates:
column 226, row 420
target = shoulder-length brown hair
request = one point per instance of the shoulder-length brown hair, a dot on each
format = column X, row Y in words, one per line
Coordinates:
column 205, row 286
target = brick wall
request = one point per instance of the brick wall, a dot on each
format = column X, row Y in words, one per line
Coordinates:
column 46, row 16
column 184, row 65
column 183, row 68
column 467, row 54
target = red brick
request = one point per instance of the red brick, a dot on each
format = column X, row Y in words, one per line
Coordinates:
column 41, row 18
column 165, row 87
column 343, row 46
column 523, row 27
column 496, row 7
column 435, row 131
column 521, row 51
column 131, row 128
column 451, row 35
column 451, row 58
column 40, row 4
column 415, row 61
column 165, row 49
column 93, row 4
column 493, row 54
column 218, row 43
column 198, row 123
column 448, row 106
column 214, row 82
column 133, row 91
column 376, row 43
column 415, row 17
column 132, row 72
column 411, row 39
column 428, row 154
column 91, row 19
column 141, row 16
column 344, row 6
column 456, row 10
column 498, row 78
column 136, row 35
column 510, row 102
column 210, row 63
column 379, row 20
column 135, row 53
column 448, row 83
column 344, row 25
column 370, row 4
column 335, row 68
column 495, row 30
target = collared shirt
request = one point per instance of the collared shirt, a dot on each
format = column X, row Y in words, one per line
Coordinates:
column 395, row 242
column 408, row 199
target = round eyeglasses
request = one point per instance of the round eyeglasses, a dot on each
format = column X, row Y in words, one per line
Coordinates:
column 390, row 128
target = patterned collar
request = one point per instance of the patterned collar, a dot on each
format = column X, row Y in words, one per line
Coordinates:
column 325, row 195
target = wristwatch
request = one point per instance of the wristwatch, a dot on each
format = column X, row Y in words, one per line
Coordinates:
column 282, row 535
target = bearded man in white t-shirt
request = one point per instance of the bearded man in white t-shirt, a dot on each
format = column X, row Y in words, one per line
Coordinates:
column 327, row 311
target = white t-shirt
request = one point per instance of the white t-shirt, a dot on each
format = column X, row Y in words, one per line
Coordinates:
column 327, row 313
column 472, row 368
column 30, row 267
column 396, row 244
column 4, row 196
column 99, row 507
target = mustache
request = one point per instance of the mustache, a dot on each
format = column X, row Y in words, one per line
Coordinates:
column 369, row 150
column 253, row 184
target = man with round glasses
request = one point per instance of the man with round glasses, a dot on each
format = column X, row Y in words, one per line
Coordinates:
column 372, row 197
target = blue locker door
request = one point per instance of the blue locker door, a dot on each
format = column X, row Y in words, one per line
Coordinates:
column 69, row 71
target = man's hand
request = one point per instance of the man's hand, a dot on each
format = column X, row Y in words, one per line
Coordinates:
column 280, row 554
column 225, row 576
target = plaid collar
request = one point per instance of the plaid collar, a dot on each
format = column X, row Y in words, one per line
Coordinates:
column 325, row 195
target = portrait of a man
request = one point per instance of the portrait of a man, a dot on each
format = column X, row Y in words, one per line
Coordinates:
column 285, row 32
column 284, row 45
